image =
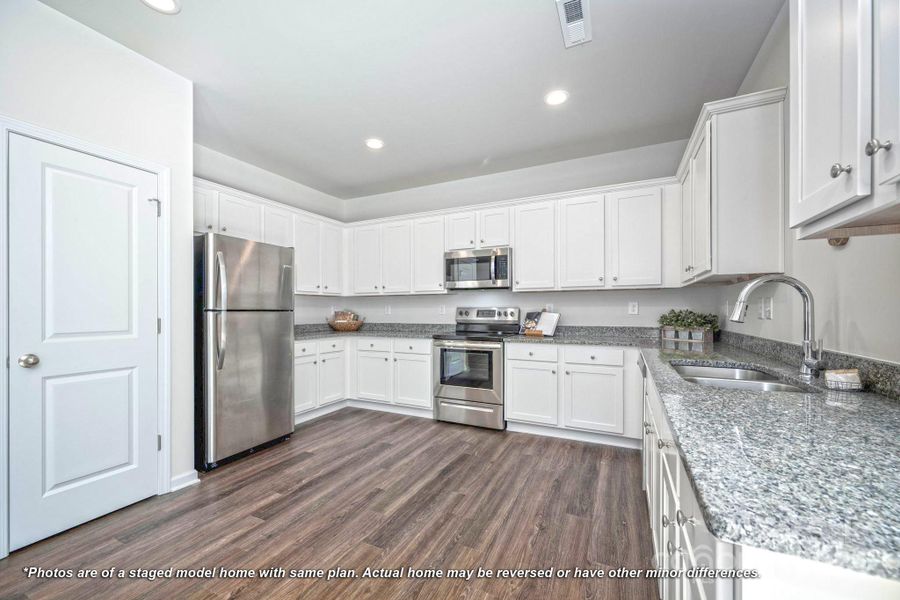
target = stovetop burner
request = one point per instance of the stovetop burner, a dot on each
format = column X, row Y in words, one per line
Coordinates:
column 483, row 324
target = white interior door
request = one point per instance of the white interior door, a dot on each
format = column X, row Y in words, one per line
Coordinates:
column 83, row 302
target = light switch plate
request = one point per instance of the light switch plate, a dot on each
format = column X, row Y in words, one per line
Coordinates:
column 633, row 308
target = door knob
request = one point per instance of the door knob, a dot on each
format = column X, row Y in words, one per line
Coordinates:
column 838, row 168
column 874, row 145
column 28, row 361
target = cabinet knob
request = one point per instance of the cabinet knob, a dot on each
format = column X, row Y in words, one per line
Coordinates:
column 440, row 285
column 531, row 354
column 371, row 345
column 334, row 345
column 646, row 424
column 482, row 241
column 326, row 287
column 567, row 373
column 376, row 287
column 302, row 349
column 410, row 347
column 600, row 278
column 663, row 444
column 315, row 362
column 615, row 277
column 671, row 548
column 517, row 282
column 874, row 145
column 317, row 287
column 209, row 226
column 553, row 372
column 385, row 360
column 471, row 241
column 682, row 518
column 592, row 357
column 395, row 360
column 666, row 521
column 323, row 361
column 382, row 287
column 838, row 168
column 224, row 229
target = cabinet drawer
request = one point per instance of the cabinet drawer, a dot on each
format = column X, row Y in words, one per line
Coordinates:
column 412, row 346
column 332, row 345
column 305, row 348
column 374, row 344
column 541, row 352
column 593, row 355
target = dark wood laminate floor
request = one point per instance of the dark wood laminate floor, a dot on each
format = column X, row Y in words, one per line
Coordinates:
column 359, row 488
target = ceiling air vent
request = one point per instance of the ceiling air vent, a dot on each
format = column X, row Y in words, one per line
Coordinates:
column 575, row 19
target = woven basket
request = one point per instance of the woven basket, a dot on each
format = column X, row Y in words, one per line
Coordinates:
column 346, row 325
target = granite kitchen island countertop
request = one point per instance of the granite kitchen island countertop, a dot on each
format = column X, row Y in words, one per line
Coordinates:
column 814, row 474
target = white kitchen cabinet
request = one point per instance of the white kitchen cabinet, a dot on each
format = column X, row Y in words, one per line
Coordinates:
column 701, row 207
column 534, row 256
column 278, row 226
column 428, row 255
column 396, row 257
column 307, row 255
column 531, row 392
column 634, row 226
column 493, row 227
column 332, row 371
column 594, row 398
column 373, row 375
column 206, row 210
column 412, row 379
column 461, row 231
column 687, row 225
column 240, row 217
column 366, row 267
column 581, row 242
column 845, row 114
column 332, row 245
column 831, row 104
column 306, row 381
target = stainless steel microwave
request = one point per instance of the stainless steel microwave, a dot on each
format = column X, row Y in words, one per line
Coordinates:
column 477, row 269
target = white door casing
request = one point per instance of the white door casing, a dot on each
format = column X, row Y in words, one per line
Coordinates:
column 84, row 262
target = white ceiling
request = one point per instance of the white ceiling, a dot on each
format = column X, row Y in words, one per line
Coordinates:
column 454, row 87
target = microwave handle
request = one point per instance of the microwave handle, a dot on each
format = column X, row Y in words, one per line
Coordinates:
column 494, row 269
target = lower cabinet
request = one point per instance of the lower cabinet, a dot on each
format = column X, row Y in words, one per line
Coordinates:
column 412, row 379
column 332, row 372
column 306, row 380
column 531, row 392
column 594, row 398
column 373, row 375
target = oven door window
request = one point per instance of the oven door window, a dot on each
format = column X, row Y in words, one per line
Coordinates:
column 467, row 368
column 469, row 269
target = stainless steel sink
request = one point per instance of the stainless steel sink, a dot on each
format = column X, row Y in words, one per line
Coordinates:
column 723, row 373
column 745, row 384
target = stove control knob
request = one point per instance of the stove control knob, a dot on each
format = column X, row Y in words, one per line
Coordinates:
column 460, row 313
column 467, row 313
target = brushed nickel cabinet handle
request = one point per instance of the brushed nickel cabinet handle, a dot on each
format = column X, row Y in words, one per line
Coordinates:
column 874, row 145
column 838, row 168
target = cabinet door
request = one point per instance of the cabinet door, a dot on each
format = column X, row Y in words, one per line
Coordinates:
column 701, row 207
column 831, row 103
column 687, row 226
column 307, row 256
column 332, row 366
column 460, row 231
column 581, row 242
column 594, row 398
column 373, row 375
column 240, row 217
column 278, row 226
column 367, row 260
column 887, row 93
column 531, row 392
column 396, row 259
column 428, row 255
column 412, row 380
column 671, row 542
column 332, row 259
column 493, row 228
column 305, row 383
column 634, row 224
column 534, row 258
column 206, row 210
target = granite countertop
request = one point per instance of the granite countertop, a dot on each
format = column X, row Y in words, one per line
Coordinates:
column 395, row 330
column 642, row 337
column 815, row 475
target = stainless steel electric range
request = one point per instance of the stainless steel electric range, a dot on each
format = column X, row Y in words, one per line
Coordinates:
column 468, row 367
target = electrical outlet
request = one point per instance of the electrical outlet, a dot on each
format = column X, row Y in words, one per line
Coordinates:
column 633, row 308
column 548, row 307
column 443, row 309
column 765, row 308
column 387, row 309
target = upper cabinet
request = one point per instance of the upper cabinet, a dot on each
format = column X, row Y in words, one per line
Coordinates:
column 366, row 269
column 278, row 226
column 332, row 249
column 634, row 232
column 487, row 228
column 240, row 217
column 428, row 255
column 307, row 256
column 732, row 186
column 396, row 261
column 534, row 255
column 581, row 242
column 845, row 116
column 206, row 210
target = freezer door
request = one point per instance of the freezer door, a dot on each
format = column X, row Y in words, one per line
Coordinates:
column 244, row 275
column 249, row 380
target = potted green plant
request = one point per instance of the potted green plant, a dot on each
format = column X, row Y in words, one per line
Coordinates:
column 688, row 330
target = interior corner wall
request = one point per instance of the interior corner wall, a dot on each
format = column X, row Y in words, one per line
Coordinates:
column 229, row 171
column 635, row 164
column 61, row 75
column 855, row 287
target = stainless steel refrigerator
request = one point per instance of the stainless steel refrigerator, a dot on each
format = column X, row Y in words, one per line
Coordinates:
column 244, row 347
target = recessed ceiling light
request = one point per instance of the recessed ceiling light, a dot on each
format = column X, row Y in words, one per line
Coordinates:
column 556, row 97
column 375, row 143
column 167, row 7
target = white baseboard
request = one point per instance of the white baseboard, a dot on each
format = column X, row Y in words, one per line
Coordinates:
column 315, row 413
column 410, row 411
column 571, row 434
column 186, row 479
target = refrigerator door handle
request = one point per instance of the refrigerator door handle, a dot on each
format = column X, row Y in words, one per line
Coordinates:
column 221, row 337
column 289, row 288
